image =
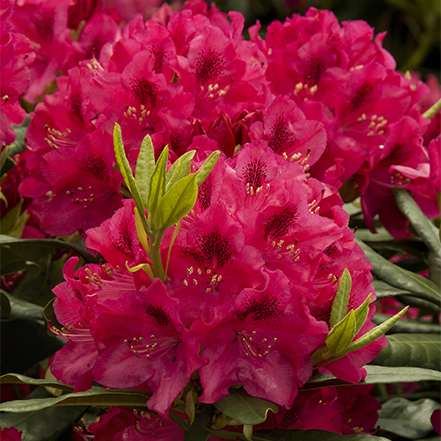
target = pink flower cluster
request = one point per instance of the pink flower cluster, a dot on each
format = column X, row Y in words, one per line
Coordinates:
column 16, row 54
column 250, row 284
column 319, row 93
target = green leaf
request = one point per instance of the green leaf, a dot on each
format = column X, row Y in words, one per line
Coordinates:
column 144, row 168
column 341, row 334
column 9, row 164
column 435, row 267
column 42, row 425
column 341, row 299
column 157, row 182
column 176, row 203
column 377, row 375
column 384, row 290
column 361, row 314
column 244, row 408
column 21, row 379
column 410, row 419
column 375, row 333
column 19, row 145
column 5, row 304
column 207, row 166
column 13, row 222
column 309, row 435
column 196, row 431
column 408, row 326
column 96, row 396
column 140, row 231
column 180, row 168
column 417, row 218
column 401, row 278
column 32, row 249
column 22, row 309
column 126, row 171
column 413, row 350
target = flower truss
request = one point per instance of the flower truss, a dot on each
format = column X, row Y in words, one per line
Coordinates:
column 206, row 171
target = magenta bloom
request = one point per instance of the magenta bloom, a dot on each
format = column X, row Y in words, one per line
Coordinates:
column 84, row 186
column 145, row 344
column 262, row 339
column 121, row 423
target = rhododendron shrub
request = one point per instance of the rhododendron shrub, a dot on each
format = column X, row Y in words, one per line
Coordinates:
column 249, row 294
column 212, row 286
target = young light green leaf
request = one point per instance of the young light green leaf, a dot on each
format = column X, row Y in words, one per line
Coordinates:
column 341, row 334
column 431, row 112
column 172, row 241
column 341, row 299
column 244, row 408
column 145, row 166
column 145, row 267
column 121, row 158
column 157, row 182
column 375, row 333
column 207, row 166
column 176, row 203
column 361, row 314
column 142, row 235
column 126, row 171
column 180, row 168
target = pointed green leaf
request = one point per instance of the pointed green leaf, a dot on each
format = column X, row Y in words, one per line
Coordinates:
column 341, row 299
column 244, row 408
column 408, row 326
column 375, row 333
column 413, row 350
column 157, row 182
column 43, row 425
column 5, row 304
column 145, row 267
column 176, row 203
column 126, row 171
column 172, row 241
column 145, row 166
column 361, row 314
column 341, row 334
column 180, row 168
column 435, row 267
column 425, row 229
column 21, row 379
column 410, row 419
column 140, row 231
column 24, row 310
column 401, row 278
column 207, row 166
column 96, row 396
column 377, row 375
column 121, row 157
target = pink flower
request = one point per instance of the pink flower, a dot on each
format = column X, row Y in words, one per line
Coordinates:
column 262, row 340
column 79, row 207
column 121, row 423
column 45, row 24
column 145, row 344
